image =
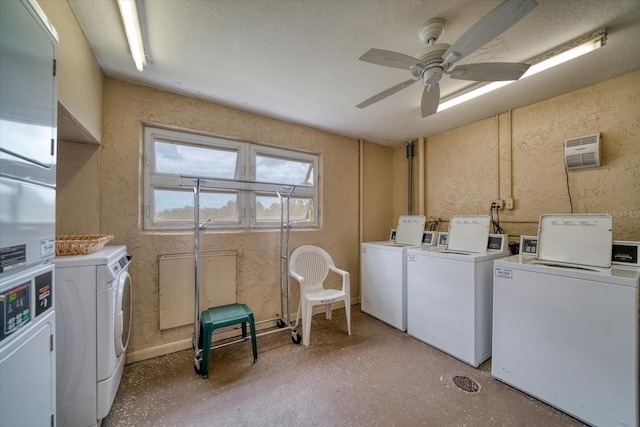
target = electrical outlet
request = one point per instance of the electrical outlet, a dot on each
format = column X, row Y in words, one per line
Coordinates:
column 508, row 204
column 497, row 204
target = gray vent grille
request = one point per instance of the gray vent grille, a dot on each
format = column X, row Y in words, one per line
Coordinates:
column 582, row 140
column 582, row 152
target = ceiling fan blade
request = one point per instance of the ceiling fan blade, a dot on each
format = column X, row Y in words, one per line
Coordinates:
column 488, row 28
column 490, row 72
column 385, row 93
column 389, row 59
column 430, row 99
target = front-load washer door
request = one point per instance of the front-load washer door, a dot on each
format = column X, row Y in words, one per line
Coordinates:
column 123, row 314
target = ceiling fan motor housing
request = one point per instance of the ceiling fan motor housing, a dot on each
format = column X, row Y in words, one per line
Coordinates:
column 432, row 75
column 431, row 69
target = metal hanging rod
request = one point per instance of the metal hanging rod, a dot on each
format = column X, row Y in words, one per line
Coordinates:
column 242, row 181
column 246, row 190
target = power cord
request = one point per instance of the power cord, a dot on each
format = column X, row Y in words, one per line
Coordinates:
column 495, row 221
column 566, row 171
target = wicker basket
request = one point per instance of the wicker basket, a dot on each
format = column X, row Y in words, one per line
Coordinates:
column 81, row 244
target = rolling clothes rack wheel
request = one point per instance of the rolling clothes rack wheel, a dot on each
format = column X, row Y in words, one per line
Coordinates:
column 284, row 193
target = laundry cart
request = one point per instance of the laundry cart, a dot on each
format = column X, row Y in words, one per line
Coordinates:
column 384, row 273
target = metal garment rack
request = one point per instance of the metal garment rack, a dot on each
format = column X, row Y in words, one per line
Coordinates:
column 284, row 195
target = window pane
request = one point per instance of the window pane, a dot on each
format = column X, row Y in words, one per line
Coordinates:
column 172, row 206
column 283, row 171
column 268, row 209
column 183, row 159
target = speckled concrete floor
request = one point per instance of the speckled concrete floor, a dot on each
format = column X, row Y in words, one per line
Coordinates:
column 376, row 377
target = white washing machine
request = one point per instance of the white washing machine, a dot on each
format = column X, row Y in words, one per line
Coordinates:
column 94, row 318
column 383, row 274
column 569, row 337
column 449, row 290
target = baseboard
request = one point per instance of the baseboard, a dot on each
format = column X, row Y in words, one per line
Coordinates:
column 160, row 350
column 184, row 344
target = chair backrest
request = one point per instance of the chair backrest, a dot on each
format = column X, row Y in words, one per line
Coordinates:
column 312, row 263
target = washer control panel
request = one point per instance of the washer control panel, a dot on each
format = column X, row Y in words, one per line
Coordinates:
column 15, row 309
column 116, row 267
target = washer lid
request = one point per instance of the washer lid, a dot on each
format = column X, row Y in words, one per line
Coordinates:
column 410, row 229
column 469, row 233
column 582, row 239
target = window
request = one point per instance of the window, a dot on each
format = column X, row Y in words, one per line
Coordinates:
column 231, row 197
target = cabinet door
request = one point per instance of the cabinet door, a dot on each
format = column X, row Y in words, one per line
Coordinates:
column 27, row 379
column 28, row 91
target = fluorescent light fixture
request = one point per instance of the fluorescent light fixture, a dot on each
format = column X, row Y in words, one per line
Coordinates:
column 129, row 13
column 557, row 57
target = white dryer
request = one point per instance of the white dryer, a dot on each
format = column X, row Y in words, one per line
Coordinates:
column 569, row 337
column 94, row 318
column 449, row 290
column 383, row 275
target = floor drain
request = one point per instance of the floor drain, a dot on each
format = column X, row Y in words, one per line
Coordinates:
column 466, row 384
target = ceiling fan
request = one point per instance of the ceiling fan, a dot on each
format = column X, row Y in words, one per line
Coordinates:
column 437, row 59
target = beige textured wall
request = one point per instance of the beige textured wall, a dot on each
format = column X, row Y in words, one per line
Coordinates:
column 377, row 190
column 461, row 177
column 463, row 167
column 77, row 189
column 127, row 107
column 399, row 179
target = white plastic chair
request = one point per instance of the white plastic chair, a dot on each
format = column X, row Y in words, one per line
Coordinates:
column 310, row 265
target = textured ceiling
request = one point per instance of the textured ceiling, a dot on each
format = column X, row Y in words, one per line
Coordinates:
column 297, row 60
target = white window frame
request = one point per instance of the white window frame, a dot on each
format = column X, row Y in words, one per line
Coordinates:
column 303, row 191
column 245, row 172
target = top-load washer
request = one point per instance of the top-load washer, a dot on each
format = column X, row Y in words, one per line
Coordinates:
column 568, row 334
column 449, row 290
column 569, row 337
column 93, row 315
column 383, row 272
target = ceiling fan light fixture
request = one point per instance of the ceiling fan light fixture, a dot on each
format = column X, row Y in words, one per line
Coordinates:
column 556, row 57
column 130, row 19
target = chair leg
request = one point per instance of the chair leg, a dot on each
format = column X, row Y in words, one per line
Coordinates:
column 243, row 327
column 347, row 310
column 254, row 344
column 327, row 311
column 298, row 314
column 302, row 311
column 206, row 351
column 306, row 324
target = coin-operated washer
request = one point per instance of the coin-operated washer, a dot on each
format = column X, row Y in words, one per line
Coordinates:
column 384, row 272
column 565, row 322
column 450, row 289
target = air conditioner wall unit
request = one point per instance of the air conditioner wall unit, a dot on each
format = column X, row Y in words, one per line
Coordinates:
column 582, row 152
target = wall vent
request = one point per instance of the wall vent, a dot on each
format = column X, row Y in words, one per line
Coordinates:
column 582, row 152
column 176, row 283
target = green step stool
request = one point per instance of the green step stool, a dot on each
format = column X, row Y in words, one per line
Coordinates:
column 219, row 317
